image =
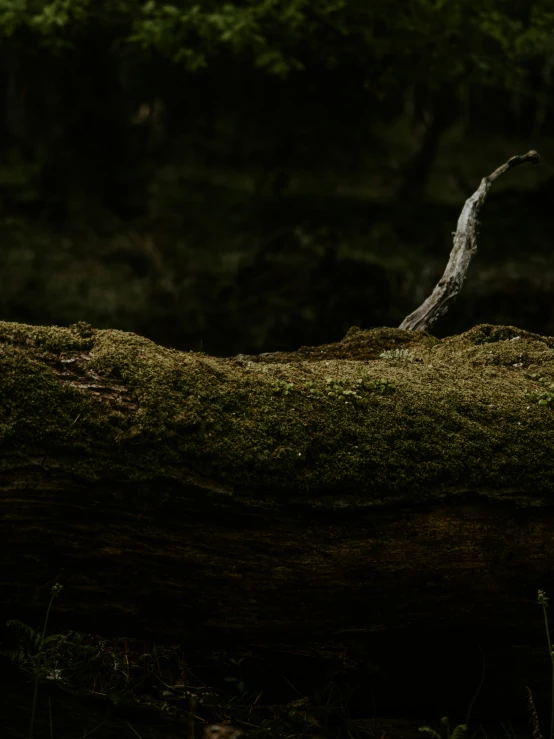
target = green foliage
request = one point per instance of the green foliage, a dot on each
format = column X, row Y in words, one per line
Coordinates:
column 382, row 387
column 426, row 39
column 52, row 23
column 298, row 718
column 458, row 733
column 338, row 388
column 546, row 397
column 281, row 387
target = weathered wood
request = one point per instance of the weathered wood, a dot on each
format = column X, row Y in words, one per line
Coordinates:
column 465, row 247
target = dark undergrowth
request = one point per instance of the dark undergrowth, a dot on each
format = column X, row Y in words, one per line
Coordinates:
column 152, row 692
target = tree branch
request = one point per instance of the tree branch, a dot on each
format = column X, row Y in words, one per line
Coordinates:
column 465, row 246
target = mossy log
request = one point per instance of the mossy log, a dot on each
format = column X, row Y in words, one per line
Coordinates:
column 330, row 493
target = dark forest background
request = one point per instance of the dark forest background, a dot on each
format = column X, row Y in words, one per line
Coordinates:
column 257, row 175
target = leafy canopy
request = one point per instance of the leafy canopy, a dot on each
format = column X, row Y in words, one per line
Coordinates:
column 438, row 41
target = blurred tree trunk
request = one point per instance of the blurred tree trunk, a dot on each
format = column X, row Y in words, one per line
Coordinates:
column 442, row 112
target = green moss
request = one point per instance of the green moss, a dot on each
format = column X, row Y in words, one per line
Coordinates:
column 334, row 421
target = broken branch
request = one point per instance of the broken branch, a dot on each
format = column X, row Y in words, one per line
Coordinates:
column 465, row 247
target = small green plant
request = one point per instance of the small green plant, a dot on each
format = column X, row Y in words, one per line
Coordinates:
column 381, row 386
column 297, row 715
column 546, row 397
column 238, row 681
column 282, row 387
column 39, row 641
column 336, row 388
column 458, row 733
column 400, row 354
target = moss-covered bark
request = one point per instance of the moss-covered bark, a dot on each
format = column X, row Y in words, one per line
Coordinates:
column 334, row 425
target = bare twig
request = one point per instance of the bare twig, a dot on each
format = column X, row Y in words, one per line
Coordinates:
column 465, row 246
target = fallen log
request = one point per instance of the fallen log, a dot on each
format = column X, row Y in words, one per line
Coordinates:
column 306, row 491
